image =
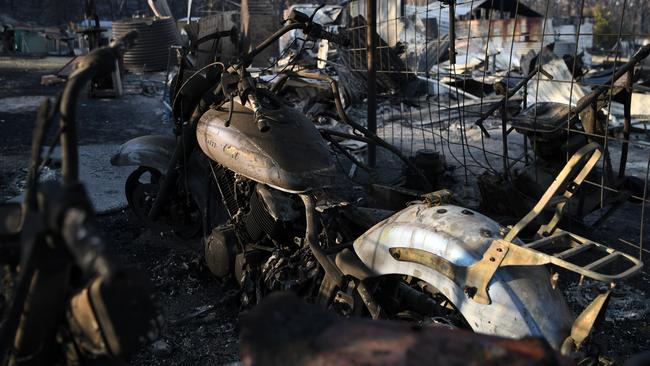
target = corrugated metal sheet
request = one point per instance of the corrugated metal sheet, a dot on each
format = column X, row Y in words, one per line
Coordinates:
column 151, row 50
column 562, row 89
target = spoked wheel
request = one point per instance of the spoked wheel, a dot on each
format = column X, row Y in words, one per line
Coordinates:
column 181, row 213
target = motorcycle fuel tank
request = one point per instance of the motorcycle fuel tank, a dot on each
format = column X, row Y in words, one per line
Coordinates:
column 291, row 156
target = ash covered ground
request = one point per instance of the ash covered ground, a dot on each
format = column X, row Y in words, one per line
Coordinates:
column 201, row 312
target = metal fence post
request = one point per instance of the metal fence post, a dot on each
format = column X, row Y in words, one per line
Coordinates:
column 371, row 56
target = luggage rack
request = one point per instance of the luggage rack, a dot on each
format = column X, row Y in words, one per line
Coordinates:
column 554, row 246
column 579, row 247
column 565, row 249
column 562, row 248
column 503, row 253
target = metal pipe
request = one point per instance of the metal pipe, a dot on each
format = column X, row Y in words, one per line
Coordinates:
column 69, row 149
column 99, row 62
column 43, row 122
column 452, row 31
column 371, row 80
column 590, row 98
column 504, row 136
column 344, row 151
column 508, row 95
column 311, row 239
column 627, row 123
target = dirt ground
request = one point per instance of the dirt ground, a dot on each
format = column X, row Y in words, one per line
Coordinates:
column 201, row 313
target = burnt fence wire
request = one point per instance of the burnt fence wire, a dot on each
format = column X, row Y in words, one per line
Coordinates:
column 494, row 87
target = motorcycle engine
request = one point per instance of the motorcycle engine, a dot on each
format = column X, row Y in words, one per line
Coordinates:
column 265, row 222
column 261, row 211
column 270, row 213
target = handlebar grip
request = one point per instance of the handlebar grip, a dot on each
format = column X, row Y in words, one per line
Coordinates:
column 297, row 16
column 317, row 31
column 340, row 40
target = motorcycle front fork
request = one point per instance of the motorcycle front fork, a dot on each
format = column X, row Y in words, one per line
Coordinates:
column 186, row 142
column 333, row 277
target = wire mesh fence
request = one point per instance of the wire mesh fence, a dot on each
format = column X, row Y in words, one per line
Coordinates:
column 505, row 91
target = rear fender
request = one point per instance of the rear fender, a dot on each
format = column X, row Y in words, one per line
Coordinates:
column 523, row 302
column 153, row 151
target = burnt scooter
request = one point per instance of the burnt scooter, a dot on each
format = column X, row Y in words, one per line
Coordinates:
column 271, row 170
column 71, row 304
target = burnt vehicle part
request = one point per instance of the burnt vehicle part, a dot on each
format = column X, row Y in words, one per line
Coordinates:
column 256, row 121
column 496, row 281
column 147, row 151
column 186, row 130
column 368, row 136
column 546, row 122
column 71, row 303
column 158, row 157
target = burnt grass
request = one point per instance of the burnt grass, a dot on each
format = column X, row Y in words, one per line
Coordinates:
column 200, row 312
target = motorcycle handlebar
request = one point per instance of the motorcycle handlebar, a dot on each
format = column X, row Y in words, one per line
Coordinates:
column 78, row 230
column 317, row 31
column 99, row 62
column 297, row 20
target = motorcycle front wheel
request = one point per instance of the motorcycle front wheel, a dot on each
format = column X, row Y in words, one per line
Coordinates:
column 181, row 213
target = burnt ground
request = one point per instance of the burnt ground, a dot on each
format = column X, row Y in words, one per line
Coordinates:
column 201, row 313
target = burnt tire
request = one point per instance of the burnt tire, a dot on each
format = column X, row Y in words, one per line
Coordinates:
column 140, row 191
column 181, row 215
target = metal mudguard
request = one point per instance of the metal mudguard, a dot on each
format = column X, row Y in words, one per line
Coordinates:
column 523, row 301
column 153, row 151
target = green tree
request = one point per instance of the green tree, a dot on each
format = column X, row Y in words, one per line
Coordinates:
column 604, row 34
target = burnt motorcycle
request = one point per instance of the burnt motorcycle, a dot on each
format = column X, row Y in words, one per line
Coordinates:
column 256, row 177
column 70, row 303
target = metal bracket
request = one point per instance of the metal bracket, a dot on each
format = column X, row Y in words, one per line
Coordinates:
column 475, row 279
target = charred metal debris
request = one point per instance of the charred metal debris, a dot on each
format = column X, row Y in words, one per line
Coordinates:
column 291, row 176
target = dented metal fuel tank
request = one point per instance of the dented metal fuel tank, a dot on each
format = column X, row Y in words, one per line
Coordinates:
column 291, row 156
